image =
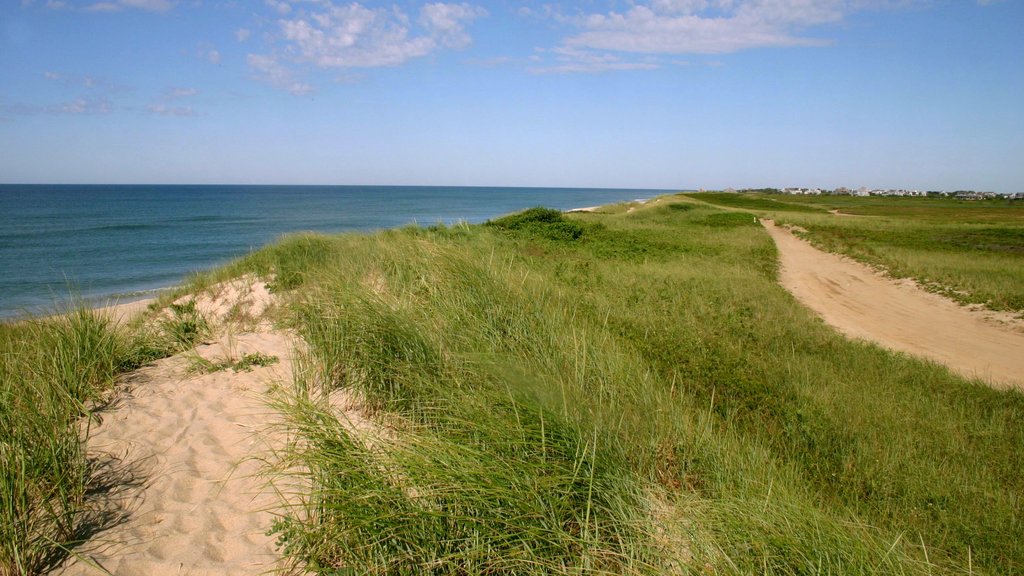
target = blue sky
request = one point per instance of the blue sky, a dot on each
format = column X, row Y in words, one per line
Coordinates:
column 925, row 94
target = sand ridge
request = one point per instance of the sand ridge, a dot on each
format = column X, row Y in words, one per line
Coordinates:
column 195, row 441
column 862, row 303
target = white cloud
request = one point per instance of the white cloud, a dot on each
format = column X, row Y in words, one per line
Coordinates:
column 355, row 36
column 103, row 7
column 165, row 110
column 118, row 5
column 659, row 28
column 242, row 34
column 76, row 106
column 79, row 81
column 153, row 5
column 447, row 22
column 269, row 70
column 176, row 93
column 572, row 60
column 707, row 26
column 279, row 6
column 322, row 34
column 167, row 104
column 80, row 106
column 208, row 52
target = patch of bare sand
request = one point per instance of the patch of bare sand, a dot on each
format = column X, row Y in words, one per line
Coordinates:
column 836, row 212
column 899, row 315
column 196, row 439
column 125, row 312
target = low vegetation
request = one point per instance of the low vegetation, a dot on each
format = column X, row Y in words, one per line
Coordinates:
column 53, row 373
column 244, row 364
column 623, row 392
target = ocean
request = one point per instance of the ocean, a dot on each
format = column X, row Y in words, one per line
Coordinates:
column 103, row 243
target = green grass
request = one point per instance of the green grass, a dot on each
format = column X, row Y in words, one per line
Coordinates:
column 971, row 251
column 623, row 393
column 52, row 372
column 244, row 364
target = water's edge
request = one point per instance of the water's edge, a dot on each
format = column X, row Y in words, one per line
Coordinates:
column 98, row 245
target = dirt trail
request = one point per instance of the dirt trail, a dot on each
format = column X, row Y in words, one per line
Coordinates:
column 862, row 303
column 195, row 439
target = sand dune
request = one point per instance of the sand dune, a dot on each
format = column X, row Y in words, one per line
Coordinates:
column 899, row 315
column 195, row 441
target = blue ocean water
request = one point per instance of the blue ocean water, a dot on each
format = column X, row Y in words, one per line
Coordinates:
column 104, row 242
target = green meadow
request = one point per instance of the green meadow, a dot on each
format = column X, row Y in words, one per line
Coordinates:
column 621, row 392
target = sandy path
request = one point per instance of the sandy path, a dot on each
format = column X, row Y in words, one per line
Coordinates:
column 195, row 440
column 861, row 303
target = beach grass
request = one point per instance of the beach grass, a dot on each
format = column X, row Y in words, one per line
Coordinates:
column 55, row 372
column 622, row 392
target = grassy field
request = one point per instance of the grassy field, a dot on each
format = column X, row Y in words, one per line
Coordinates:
column 969, row 250
column 607, row 393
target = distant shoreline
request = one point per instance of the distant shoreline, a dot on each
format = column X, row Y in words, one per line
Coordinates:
column 97, row 242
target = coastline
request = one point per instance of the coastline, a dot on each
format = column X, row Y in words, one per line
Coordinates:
column 89, row 243
column 130, row 304
column 121, row 312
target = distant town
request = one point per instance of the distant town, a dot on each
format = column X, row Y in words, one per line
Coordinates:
column 842, row 191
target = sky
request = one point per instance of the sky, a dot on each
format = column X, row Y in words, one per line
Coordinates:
column 673, row 94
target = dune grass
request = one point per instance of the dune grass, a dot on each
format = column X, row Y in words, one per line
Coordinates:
column 53, row 372
column 621, row 393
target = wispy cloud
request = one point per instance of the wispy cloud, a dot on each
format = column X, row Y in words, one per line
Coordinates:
column 208, row 52
column 178, row 93
column 573, row 60
column 81, row 81
column 118, row 5
column 93, row 105
column 325, row 35
column 446, row 23
column 280, row 6
column 165, row 110
column 269, row 70
column 99, row 105
column 104, row 5
column 661, row 28
column 707, row 26
column 169, row 104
